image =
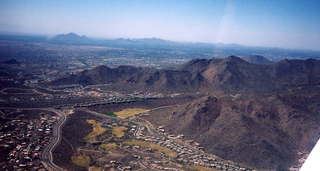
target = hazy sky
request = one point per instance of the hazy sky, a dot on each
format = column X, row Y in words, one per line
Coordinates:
column 277, row 23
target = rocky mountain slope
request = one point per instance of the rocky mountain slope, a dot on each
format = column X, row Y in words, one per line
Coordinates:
column 231, row 74
column 257, row 59
column 262, row 132
column 264, row 116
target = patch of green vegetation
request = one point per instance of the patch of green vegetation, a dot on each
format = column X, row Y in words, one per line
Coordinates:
column 108, row 147
column 129, row 112
column 81, row 160
column 96, row 130
column 198, row 168
column 95, row 168
column 111, row 114
column 157, row 147
column 119, row 131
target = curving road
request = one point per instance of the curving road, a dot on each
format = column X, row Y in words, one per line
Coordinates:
column 46, row 156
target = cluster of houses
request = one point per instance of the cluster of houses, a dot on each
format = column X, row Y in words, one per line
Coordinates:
column 189, row 152
column 161, row 163
column 22, row 142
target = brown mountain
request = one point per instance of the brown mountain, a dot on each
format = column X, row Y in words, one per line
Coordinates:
column 231, row 74
column 132, row 78
column 262, row 132
column 263, row 116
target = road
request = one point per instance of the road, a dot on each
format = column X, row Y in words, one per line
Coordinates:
column 35, row 91
column 46, row 156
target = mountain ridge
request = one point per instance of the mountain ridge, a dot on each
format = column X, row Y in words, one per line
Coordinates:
column 260, row 115
column 257, row 59
column 246, row 130
column 231, row 74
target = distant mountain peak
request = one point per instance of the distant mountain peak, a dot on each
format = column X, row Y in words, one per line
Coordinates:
column 71, row 34
column 70, row 38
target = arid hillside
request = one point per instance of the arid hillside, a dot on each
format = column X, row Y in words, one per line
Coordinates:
column 229, row 75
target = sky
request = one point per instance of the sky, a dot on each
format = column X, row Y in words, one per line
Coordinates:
column 274, row 23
